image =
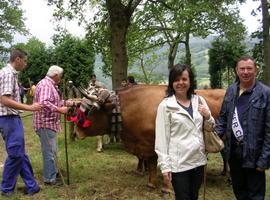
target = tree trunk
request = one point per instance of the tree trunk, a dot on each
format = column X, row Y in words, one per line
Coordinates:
column 172, row 54
column 120, row 16
column 119, row 23
column 146, row 79
column 188, row 53
column 266, row 41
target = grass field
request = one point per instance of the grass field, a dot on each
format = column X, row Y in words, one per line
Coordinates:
column 108, row 175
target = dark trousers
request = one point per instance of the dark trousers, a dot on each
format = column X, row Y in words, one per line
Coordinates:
column 186, row 184
column 248, row 183
column 17, row 162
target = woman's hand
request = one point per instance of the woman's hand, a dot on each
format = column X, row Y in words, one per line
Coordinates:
column 167, row 176
column 204, row 111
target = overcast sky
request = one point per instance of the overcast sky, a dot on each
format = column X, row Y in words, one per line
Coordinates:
column 39, row 20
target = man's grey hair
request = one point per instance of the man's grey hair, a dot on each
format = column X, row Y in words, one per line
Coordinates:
column 55, row 70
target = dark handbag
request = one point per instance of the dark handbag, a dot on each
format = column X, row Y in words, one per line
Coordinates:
column 212, row 142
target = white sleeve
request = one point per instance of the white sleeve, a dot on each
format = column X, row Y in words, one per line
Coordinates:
column 162, row 138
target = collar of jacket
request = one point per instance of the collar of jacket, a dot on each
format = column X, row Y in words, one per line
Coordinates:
column 257, row 90
column 173, row 105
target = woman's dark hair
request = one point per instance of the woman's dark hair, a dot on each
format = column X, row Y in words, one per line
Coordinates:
column 177, row 71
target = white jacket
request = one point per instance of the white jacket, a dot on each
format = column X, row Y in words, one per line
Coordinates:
column 179, row 139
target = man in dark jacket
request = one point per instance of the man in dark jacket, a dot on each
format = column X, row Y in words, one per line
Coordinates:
column 245, row 122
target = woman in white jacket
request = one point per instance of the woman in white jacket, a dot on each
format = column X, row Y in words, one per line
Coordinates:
column 179, row 140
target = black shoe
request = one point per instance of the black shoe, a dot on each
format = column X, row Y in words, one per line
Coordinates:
column 22, row 190
column 6, row 194
column 34, row 192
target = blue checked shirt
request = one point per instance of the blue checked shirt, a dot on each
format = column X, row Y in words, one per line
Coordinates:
column 9, row 86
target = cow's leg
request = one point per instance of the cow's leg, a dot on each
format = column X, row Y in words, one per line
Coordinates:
column 105, row 139
column 166, row 187
column 152, row 167
column 99, row 143
column 140, row 167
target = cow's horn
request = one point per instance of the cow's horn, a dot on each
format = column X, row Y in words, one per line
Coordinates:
column 85, row 94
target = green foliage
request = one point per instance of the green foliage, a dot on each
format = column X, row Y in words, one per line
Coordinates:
column 173, row 22
column 98, row 34
column 223, row 56
column 12, row 21
column 76, row 57
column 257, row 52
column 39, row 60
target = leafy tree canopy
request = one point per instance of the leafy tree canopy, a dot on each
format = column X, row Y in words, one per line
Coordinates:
column 223, row 56
column 12, row 21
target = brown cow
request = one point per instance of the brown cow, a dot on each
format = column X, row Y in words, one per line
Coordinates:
column 138, row 109
column 101, row 122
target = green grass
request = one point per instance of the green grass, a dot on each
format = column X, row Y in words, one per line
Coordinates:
column 108, row 175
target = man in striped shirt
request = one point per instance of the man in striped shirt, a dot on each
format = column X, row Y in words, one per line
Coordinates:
column 17, row 162
column 47, row 121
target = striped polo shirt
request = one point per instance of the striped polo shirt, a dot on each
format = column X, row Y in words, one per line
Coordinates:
column 9, row 86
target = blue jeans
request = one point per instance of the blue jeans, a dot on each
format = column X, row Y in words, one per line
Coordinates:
column 48, row 140
column 17, row 162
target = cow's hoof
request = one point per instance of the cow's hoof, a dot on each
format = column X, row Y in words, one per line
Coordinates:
column 166, row 195
column 151, row 186
column 138, row 173
column 166, row 191
column 99, row 150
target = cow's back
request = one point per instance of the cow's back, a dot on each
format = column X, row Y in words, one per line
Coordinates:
column 138, row 109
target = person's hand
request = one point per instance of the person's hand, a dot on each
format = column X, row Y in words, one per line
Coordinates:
column 63, row 109
column 73, row 102
column 35, row 107
column 167, row 176
column 260, row 169
column 76, row 102
column 204, row 111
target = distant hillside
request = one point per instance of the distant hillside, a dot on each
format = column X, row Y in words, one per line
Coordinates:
column 199, row 55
